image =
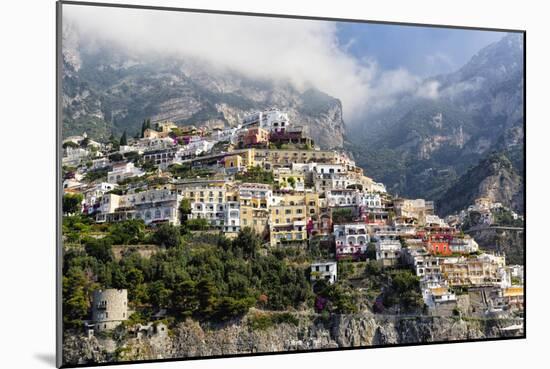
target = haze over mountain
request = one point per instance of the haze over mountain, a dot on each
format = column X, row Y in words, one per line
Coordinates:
column 421, row 146
column 420, row 136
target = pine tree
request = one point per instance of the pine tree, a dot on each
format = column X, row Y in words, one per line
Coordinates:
column 143, row 127
column 123, row 139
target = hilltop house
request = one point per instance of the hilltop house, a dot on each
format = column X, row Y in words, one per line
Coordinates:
column 324, row 270
column 122, row 171
column 351, row 240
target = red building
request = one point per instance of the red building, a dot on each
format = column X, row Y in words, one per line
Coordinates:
column 438, row 244
column 254, row 136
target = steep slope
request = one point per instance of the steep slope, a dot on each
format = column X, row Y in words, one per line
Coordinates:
column 108, row 88
column 494, row 177
column 421, row 147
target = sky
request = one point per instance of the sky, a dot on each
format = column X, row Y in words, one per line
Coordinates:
column 367, row 66
column 424, row 51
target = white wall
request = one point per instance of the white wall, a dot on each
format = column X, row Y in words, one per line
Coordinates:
column 28, row 83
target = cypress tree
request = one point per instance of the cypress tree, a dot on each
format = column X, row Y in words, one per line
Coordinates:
column 123, row 139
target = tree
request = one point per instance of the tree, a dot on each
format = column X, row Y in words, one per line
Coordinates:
column 248, row 241
column 101, row 249
column 207, row 293
column 184, row 209
column 292, row 182
column 116, row 157
column 114, row 142
column 159, row 295
column 371, row 251
column 72, row 203
column 128, row 232
column 143, row 129
column 167, row 235
column 123, row 139
column 76, row 289
column 85, row 142
column 145, row 126
column 184, row 300
column 70, row 144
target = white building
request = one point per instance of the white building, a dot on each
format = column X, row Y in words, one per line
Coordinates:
column 149, row 144
column 93, row 195
column 324, row 182
column 195, row 148
column 122, row 171
column 388, row 252
column 100, row 163
column 73, row 156
column 212, row 209
column 153, row 206
column 351, row 240
column 324, row 270
column 343, row 197
column 434, row 220
column 232, row 216
column 466, row 245
column 272, row 120
column 371, row 200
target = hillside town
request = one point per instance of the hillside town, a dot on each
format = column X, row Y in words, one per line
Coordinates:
column 267, row 175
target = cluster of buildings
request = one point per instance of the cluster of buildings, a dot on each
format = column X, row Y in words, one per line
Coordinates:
column 484, row 208
column 268, row 175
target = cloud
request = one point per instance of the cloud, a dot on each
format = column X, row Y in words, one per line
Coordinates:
column 304, row 52
column 438, row 62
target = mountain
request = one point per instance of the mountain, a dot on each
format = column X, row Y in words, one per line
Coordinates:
column 494, row 177
column 107, row 88
column 423, row 147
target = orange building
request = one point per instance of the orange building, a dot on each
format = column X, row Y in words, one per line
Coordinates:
column 438, row 245
column 255, row 136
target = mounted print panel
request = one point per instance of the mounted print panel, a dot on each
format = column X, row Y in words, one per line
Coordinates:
column 238, row 184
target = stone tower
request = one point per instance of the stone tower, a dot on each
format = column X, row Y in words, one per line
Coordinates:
column 109, row 308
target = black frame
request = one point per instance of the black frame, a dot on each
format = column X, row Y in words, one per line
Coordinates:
column 59, row 189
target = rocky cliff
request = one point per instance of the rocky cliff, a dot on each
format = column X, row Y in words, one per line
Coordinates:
column 494, row 177
column 108, row 88
column 191, row 339
column 422, row 147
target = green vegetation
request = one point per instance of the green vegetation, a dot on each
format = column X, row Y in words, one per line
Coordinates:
column 338, row 298
column 256, row 175
column 70, row 144
column 186, row 171
column 342, row 215
column 404, row 290
column 72, row 203
column 207, row 278
column 503, row 217
column 96, row 175
column 263, row 321
column 123, row 139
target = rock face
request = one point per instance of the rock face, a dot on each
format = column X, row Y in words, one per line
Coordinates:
column 106, row 88
column 494, row 178
column 511, row 242
column 190, row 339
column 421, row 147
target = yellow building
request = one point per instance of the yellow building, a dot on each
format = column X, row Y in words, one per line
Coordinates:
column 484, row 269
column 288, row 179
column 233, row 161
column 287, row 221
column 166, row 126
column 278, row 158
column 152, row 133
column 254, row 201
